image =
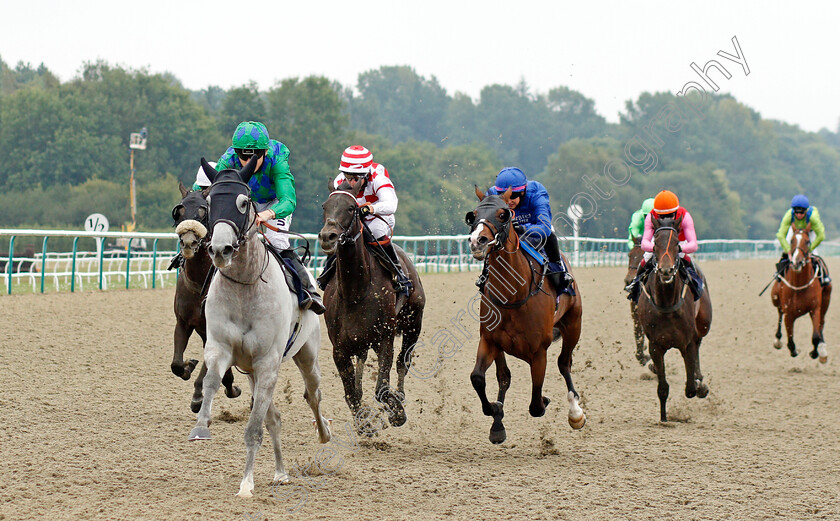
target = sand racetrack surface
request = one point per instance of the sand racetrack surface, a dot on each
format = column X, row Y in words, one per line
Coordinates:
column 93, row 425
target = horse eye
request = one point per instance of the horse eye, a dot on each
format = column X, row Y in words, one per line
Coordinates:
column 351, row 210
column 202, row 212
column 242, row 203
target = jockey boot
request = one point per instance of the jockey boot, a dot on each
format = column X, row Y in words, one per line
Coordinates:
column 309, row 299
column 404, row 284
column 819, row 264
column 326, row 275
column 782, row 265
column 176, row 262
column 695, row 282
column 635, row 287
column 557, row 273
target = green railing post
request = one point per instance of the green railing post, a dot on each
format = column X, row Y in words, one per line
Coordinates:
column 73, row 269
column 128, row 263
column 44, row 262
column 154, row 262
column 9, row 266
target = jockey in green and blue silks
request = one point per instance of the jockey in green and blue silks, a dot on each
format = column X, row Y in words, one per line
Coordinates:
column 800, row 215
column 532, row 212
column 637, row 222
column 273, row 190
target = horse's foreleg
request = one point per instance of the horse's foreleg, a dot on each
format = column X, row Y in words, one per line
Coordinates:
column 658, row 356
column 217, row 361
column 538, row 401
column 307, row 362
column 502, row 376
column 182, row 337
column 639, row 336
column 702, row 388
column 485, row 356
column 778, row 343
column 264, row 380
column 344, row 364
column 410, row 336
column 789, row 318
column 273, row 423
column 195, row 404
column 690, row 361
column 385, row 394
column 360, row 371
column 819, row 350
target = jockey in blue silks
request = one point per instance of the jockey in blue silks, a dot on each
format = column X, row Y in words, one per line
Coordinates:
column 532, row 220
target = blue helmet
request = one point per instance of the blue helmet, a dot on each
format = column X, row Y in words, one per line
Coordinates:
column 800, row 201
column 511, row 177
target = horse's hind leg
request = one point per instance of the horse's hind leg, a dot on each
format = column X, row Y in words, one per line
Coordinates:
column 485, row 356
column 218, row 361
column 195, row 404
column 360, row 371
column 538, row 401
column 824, row 302
column 702, row 388
column 778, row 343
column 411, row 332
column 502, row 376
column 344, row 364
column 307, row 362
column 571, row 335
column 639, row 336
column 819, row 350
column 273, row 423
column 690, row 360
column 231, row 391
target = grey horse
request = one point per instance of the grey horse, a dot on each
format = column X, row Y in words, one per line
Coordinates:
column 253, row 321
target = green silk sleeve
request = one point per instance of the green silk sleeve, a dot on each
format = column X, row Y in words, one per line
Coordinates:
column 818, row 228
column 783, row 229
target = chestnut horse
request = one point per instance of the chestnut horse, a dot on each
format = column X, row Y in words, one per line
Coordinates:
column 799, row 292
column 670, row 316
column 363, row 310
column 521, row 314
column 634, row 258
column 190, row 216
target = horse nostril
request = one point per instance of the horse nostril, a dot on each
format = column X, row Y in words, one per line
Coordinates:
column 227, row 251
column 332, row 236
column 210, row 250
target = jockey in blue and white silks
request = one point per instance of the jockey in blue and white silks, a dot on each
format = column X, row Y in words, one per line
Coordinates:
column 532, row 216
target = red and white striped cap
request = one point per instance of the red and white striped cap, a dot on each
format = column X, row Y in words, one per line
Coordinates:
column 356, row 160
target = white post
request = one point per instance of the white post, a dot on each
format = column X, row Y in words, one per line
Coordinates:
column 574, row 212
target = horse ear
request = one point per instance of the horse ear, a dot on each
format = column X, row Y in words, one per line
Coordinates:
column 679, row 221
column 360, row 187
column 655, row 221
column 469, row 218
column 209, row 171
column 330, row 184
column 249, row 169
column 183, row 189
column 506, row 195
column 808, row 228
column 479, row 193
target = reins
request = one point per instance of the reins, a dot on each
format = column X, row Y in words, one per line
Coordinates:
column 676, row 306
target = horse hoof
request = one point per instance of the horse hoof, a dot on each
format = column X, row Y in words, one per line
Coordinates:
column 497, row 436
column 537, row 412
column 234, row 392
column 652, row 367
column 195, row 406
column 199, row 433
column 702, row 390
column 813, row 354
column 822, row 351
column 778, row 343
column 577, row 423
column 794, row 353
column 397, row 418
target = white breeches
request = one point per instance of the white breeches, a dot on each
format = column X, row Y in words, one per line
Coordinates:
column 379, row 228
column 277, row 239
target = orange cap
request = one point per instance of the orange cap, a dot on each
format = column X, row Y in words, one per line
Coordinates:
column 666, row 202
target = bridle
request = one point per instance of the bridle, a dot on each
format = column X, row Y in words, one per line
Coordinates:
column 674, row 307
column 242, row 228
column 673, row 231
column 345, row 236
column 805, row 250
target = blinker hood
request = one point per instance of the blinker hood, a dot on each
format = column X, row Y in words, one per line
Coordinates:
column 223, row 208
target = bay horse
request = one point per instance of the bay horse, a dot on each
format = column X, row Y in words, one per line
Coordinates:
column 363, row 311
column 634, row 259
column 253, row 321
column 669, row 317
column 190, row 216
column 528, row 314
column 799, row 292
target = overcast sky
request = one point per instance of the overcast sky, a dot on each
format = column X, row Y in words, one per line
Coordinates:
column 609, row 51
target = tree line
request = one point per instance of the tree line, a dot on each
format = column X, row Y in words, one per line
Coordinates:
column 67, row 155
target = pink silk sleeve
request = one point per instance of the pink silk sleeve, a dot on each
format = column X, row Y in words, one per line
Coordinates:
column 689, row 245
column 647, row 238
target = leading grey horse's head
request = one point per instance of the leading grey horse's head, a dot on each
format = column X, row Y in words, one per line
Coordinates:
column 231, row 211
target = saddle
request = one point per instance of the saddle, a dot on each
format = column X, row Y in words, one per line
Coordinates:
column 542, row 261
column 289, row 272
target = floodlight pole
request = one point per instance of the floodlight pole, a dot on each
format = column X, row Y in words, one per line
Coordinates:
column 136, row 141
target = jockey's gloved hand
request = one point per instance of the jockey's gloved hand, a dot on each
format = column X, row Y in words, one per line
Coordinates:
column 518, row 228
column 366, row 209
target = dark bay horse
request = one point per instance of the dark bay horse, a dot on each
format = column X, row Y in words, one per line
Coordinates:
column 362, row 308
column 634, row 258
column 798, row 293
column 520, row 314
column 190, row 216
column 670, row 316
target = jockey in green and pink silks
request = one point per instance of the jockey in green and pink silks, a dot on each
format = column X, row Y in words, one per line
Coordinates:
column 800, row 215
